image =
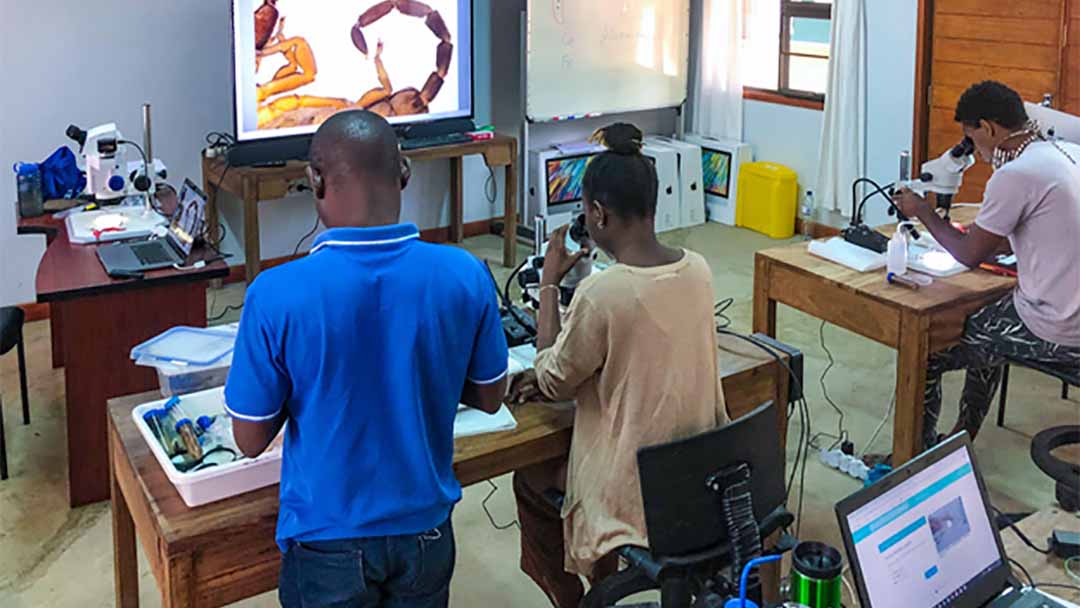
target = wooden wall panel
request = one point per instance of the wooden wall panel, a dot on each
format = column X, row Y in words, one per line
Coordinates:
column 1071, row 71
column 1011, row 29
column 1006, row 8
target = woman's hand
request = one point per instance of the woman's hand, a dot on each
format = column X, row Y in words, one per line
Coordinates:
column 524, row 388
column 558, row 260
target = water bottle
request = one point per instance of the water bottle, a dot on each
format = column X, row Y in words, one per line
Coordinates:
column 31, row 199
column 808, row 205
column 896, row 258
column 216, row 432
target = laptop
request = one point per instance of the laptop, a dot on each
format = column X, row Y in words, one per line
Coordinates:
column 924, row 536
column 187, row 224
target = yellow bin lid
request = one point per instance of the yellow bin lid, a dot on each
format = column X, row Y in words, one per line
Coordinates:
column 769, row 170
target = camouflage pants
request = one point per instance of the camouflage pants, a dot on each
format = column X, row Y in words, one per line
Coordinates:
column 991, row 335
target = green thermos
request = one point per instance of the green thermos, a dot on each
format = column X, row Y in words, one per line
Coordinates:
column 815, row 575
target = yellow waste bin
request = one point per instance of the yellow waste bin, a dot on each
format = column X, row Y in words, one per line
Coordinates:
column 768, row 199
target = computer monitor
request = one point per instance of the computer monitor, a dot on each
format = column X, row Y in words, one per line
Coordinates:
column 716, row 169
column 564, row 178
column 189, row 220
column 923, row 536
column 297, row 62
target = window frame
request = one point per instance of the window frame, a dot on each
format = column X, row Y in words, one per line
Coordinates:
column 790, row 9
column 783, row 94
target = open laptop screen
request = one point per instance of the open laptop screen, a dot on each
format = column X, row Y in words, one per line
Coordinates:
column 927, row 540
column 189, row 220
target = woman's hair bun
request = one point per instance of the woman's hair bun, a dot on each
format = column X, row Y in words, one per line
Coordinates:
column 621, row 138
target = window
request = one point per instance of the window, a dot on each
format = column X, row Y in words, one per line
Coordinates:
column 786, row 47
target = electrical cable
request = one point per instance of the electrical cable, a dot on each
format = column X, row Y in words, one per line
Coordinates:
column 491, row 518
column 296, row 250
column 1020, row 533
column 509, row 280
column 880, row 426
column 1058, row 585
column 491, row 189
column 842, row 435
column 1027, row 575
column 722, row 320
column 222, row 314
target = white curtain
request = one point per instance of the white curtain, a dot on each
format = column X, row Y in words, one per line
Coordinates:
column 843, row 132
column 718, row 104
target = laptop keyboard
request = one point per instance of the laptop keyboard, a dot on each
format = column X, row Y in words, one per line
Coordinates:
column 151, row 253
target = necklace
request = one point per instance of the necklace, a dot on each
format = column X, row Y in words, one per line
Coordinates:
column 1030, row 134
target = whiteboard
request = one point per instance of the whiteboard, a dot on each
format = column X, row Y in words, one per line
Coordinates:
column 604, row 56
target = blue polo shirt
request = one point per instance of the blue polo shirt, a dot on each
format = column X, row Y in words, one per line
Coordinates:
column 366, row 345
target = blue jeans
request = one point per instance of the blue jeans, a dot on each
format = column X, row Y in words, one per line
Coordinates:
column 385, row 572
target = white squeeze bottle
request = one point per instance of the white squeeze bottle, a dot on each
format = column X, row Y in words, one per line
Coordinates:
column 896, row 258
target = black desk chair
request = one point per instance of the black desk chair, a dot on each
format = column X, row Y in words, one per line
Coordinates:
column 11, row 336
column 1069, row 376
column 710, row 502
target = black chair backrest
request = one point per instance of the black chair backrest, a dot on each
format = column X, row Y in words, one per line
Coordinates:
column 682, row 514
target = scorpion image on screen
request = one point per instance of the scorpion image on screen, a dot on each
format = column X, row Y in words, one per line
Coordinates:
column 280, row 106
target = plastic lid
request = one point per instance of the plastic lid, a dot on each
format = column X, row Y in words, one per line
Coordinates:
column 182, row 422
column 188, row 345
column 204, row 422
column 25, row 168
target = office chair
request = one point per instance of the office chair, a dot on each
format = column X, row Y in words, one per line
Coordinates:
column 11, row 336
column 710, row 502
column 1069, row 376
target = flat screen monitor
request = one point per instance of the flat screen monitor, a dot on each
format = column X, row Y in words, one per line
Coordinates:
column 716, row 168
column 564, row 177
column 297, row 62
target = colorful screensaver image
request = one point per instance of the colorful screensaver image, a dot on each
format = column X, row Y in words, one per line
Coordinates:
column 716, row 169
column 564, row 176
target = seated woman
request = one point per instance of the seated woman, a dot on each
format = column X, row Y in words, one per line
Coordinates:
column 637, row 353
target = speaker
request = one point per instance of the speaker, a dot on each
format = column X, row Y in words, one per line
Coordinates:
column 245, row 154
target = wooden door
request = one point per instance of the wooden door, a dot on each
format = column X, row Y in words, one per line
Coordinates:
column 1020, row 43
column 1070, row 100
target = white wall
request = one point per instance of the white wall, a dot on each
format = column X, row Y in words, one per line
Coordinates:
column 92, row 62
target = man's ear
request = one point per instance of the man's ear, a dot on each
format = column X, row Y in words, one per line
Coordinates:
column 600, row 214
column 315, row 178
column 406, row 171
column 988, row 126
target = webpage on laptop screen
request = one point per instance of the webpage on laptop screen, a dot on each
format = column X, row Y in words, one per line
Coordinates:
column 924, row 541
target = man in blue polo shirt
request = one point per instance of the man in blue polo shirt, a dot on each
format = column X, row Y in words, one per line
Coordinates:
column 365, row 347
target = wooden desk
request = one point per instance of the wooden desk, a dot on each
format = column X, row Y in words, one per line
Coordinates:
column 223, row 552
column 915, row 323
column 252, row 185
column 95, row 322
column 1043, row 568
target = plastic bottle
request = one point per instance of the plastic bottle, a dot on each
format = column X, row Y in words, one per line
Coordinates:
column 897, row 257
column 216, row 431
column 808, row 205
column 30, row 195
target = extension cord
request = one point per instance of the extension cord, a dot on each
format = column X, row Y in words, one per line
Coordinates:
column 847, row 463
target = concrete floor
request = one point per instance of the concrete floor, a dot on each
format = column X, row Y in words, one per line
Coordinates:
column 51, row 555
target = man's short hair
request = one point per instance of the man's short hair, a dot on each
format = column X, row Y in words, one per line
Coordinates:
column 990, row 100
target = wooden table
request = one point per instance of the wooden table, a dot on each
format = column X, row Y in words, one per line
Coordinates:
column 223, row 552
column 95, row 321
column 1043, row 568
column 253, row 185
column 915, row 323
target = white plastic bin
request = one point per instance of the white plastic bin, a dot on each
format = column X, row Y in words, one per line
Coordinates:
column 183, row 379
column 215, row 483
column 176, row 374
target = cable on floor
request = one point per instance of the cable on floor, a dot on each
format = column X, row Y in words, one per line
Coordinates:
column 842, row 434
column 491, row 518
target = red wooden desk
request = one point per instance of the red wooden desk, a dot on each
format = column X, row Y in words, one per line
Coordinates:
column 95, row 322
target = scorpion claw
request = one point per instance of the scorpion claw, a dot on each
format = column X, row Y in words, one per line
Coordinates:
column 375, row 13
column 443, row 54
column 431, row 88
column 413, row 8
column 358, row 39
column 435, row 23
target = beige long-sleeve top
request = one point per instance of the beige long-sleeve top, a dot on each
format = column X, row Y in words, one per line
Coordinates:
column 637, row 352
